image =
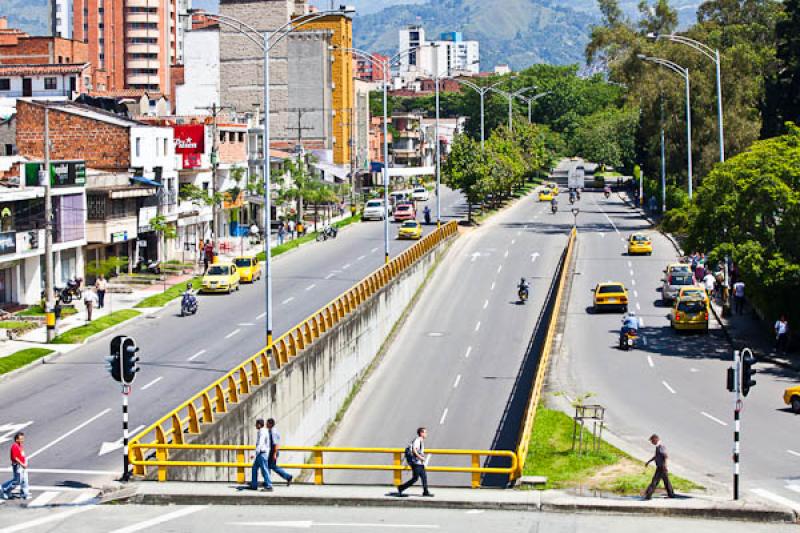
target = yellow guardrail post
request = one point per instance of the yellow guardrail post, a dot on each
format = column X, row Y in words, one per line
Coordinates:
column 161, row 454
column 240, row 471
column 194, row 423
column 316, row 458
column 177, row 432
column 208, row 417
column 397, row 461
column 476, row 476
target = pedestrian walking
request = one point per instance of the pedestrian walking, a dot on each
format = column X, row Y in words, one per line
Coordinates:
column 709, row 281
column 274, row 446
column 662, row 472
column 19, row 469
column 738, row 297
column 101, row 285
column 781, row 334
column 281, row 233
column 292, row 227
column 89, row 300
column 201, row 250
column 415, row 457
column 301, row 229
column 260, row 458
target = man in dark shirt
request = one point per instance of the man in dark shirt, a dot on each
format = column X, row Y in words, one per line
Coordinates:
column 662, row 473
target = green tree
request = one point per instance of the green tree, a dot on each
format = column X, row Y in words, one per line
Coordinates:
column 465, row 171
column 783, row 88
column 659, row 18
column 608, row 137
column 164, row 230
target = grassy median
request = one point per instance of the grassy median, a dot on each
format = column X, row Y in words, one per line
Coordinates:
column 163, row 298
column 37, row 310
column 81, row 333
column 21, row 358
column 308, row 237
column 607, row 470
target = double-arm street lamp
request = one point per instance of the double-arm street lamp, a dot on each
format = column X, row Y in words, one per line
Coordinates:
column 482, row 91
column 265, row 41
column 530, row 100
column 683, row 71
column 713, row 55
column 511, row 95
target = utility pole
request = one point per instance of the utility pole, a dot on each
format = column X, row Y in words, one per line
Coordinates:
column 44, row 178
column 352, row 157
column 300, row 128
column 215, row 110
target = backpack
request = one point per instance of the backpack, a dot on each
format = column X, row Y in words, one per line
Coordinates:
column 408, row 454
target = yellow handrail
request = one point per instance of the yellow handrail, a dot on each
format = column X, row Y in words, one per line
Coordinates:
column 544, row 358
column 214, row 399
column 318, row 464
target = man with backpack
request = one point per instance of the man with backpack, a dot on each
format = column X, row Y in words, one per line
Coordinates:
column 274, row 446
column 415, row 457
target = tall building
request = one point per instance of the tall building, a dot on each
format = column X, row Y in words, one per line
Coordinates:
column 61, row 18
column 132, row 43
column 367, row 70
column 451, row 55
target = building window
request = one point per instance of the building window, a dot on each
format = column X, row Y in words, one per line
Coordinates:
column 50, row 84
column 138, row 147
column 241, row 137
column 96, row 207
column 119, row 208
column 166, row 147
column 5, row 84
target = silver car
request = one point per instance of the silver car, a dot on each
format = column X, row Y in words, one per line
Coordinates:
column 673, row 284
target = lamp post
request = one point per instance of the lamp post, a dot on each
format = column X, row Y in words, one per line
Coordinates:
column 511, row 97
column 481, row 90
column 530, row 101
column 266, row 40
column 713, row 55
column 683, row 71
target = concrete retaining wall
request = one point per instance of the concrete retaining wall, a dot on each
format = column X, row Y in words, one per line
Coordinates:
column 305, row 395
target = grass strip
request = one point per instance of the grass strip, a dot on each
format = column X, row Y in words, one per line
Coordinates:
column 308, row 237
column 18, row 324
column 21, row 358
column 163, row 298
column 81, row 333
column 607, row 470
column 37, row 310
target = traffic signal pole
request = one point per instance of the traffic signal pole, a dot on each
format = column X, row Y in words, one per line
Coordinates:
column 126, row 390
column 737, row 408
column 122, row 367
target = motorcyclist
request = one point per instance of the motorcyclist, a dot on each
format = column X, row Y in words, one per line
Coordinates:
column 523, row 286
column 607, row 190
column 190, row 292
column 630, row 322
column 572, row 195
column 554, row 204
column 578, row 193
column 427, row 214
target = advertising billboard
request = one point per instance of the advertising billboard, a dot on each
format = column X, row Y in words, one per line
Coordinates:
column 190, row 143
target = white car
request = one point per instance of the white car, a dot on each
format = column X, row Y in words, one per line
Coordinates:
column 420, row 194
column 374, row 210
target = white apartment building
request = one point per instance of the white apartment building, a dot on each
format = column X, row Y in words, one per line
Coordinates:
column 200, row 88
column 451, row 55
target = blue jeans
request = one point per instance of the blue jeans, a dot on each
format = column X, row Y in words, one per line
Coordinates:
column 260, row 465
column 20, row 478
column 272, row 464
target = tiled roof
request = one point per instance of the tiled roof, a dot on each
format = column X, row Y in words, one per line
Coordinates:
column 34, row 70
column 127, row 93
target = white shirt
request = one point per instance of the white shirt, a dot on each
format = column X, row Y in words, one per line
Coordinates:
column 90, row 296
column 780, row 328
column 262, row 441
column 709, row 282
column 418, row 446
column 738, row 289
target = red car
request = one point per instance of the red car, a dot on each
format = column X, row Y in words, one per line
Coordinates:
column 405, row 212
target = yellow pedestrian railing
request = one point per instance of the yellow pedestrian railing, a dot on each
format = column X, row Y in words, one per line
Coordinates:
column 213, row 401
column 318, row 455
column 544, row 358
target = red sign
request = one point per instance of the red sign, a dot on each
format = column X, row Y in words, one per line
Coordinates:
column 191, row 161
column 190, row 143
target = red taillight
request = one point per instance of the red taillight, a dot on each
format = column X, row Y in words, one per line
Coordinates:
column 669, row 280
column 677, row 316
column 706, row 316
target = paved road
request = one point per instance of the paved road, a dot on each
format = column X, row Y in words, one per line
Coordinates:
column 70, row 407
column 675, row 385
column 332, row 519
column 455, row 364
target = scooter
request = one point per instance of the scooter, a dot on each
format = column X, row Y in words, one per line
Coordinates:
column 523, row 294
column 148, row 267
column 554, row 208
column 328, row 233
column 571, row 198
column 188, row 304
column 606, row 194
column 628, row 340
column 72, row 290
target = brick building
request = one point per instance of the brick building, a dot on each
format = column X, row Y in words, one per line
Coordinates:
column 19, row 48
column 367, row 70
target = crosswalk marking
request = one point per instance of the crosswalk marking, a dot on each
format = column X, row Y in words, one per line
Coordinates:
column 43, row 499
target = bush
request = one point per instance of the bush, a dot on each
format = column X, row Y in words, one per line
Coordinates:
column 676, row 221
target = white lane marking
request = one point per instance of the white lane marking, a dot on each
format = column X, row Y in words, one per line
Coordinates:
column 666, row 385
column 534, row 256
column 775, row 498
column 329, row 276
column 108, row 447
column 633, row 282
column 245, row 324
column 7, row 431
column 373, row 250
column 469, row 351
column 611, row 222
column 160, row 519
column 650, row 361
column 262, row 315
column 793, row 488
column 145, row 387
column 360, row 257
column 458, row 380
column 43, row 499
column 84, row 496
column 638, row 307
column 46, row 519
column 714, row 418
column 635, row 294
column 65, row 471
column 287, row 300
column 630, row 265
column 514, row 241
column 693, row 370
column 232, row 333
column 311, row 286
column 505, row 254
column 70, row 432
column 444, row 415
column 308, row 524
column 492, row 288
column 499, row 268
column 486, row 304
column 796, row 454
column 631, row 272
column 198, row 354
column 478, row 325
column 345, row 267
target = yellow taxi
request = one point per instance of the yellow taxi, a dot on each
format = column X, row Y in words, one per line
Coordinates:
column 791, row 396
column 546, row 195
column 640, row 243
column 690, row 312
column 249, row 268
column 692, row 291
column 610, row 295
column 221, row 277
column 410, row 229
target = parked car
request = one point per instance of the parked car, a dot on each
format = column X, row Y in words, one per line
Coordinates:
column 420, row 194
column 249, row 268
column 221, row 277
column 405, row 212
column 374, row 210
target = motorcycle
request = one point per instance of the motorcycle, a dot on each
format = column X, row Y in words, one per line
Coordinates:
column 71, row 291
column 554, row 208
column 628, row 339
column 188, row 304
column 571, row 198
column 148, row 267
column 522, row 292
column 606, row 194
column 327, row 233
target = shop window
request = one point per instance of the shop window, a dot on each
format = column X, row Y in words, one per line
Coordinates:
column 5, row 84
column 96, row 207
column 50, row 84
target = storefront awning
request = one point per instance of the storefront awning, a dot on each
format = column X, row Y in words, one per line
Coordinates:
column 133, row 191
column 146, row 181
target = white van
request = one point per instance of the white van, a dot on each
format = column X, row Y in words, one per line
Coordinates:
column 374, row 210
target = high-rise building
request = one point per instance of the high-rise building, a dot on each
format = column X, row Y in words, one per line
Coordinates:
column 132, row 43
column 451, row 55
column 61, row 18
column 367, row 70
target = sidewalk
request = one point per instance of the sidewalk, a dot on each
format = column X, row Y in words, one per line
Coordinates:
column 228, row 493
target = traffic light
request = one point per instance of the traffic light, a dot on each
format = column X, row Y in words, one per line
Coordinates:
column 113, row 360
column 748, row 372
column 129, row 360
column 731, row 380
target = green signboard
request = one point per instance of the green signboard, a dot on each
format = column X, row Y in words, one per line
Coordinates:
column 62, row 174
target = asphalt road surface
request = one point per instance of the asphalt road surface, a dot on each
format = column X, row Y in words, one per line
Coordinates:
column 456, row 365
column 673, row 385
column 70, row 407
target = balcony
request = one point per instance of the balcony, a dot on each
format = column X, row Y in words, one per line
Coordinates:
column 142, row 3
column 142, row 63
column 142, row 48
column 142, row 33
column 142, row 17
column 112, row 230
column 143, row 79
column 58, row 93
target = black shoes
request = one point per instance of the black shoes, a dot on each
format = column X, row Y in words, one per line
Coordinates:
column 428, row 494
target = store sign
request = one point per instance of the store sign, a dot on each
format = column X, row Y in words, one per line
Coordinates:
column 62, row 174
column 8, row 242
column 146, row 214
column 190, row 143
column 120, row 236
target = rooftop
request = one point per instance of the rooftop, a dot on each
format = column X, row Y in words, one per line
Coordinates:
column 35, row 70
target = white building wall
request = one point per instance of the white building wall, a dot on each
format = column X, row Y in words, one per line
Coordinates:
column 201, row 73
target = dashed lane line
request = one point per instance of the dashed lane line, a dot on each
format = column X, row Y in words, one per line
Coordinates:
column 478, row 325
column 666, row 385
column 360, row 257
column 311, row 286
column 444, row 416
column 492, row 288
column 713, row 418
column 499, row 268
column 469, row 351
column 262, row 315
column 373, row 250
column 232, row 333
column 792, row 452
column 198, row 354
column 638, row 307
column 650, row 361
column 287, row 300
column 458, row 380
column 486, row 304
column 145, row 387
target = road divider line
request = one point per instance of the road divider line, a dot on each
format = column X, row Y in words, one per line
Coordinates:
column 514, row 241
column 630, row 265
column 361, row 257
column 666, row 385
column 245, row 324
column 777, row 499
column 45, row 520
column 287, row 300
column 345, row 267
column 499, row 268
column 262, row 315
column 650, row 361
column 638, row 307
column 714, row 418
column 486, row 304
column 505, row 254
column 469, row 351
column 147, row 524
column 478, row 325
column 195, row 356
column 635, row 294
column 145, row 387
column 311, row 286
column 792, row 452
column 329, row 276
column 492, row 287
column 70, row 432
column 373, row 250
column 444, row 415
column 633, row 282
column 232, row 333
column 458, row 380
column 631, row 272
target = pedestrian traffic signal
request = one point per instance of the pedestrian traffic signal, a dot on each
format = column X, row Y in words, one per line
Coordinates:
column 113, row 361
column 731, row 380
column 129, row 360
column 748, row 372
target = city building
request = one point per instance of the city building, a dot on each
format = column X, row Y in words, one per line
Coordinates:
column 502, row 69
column 367, row 70
column 200, row 87
column 451, row 55
column 51, row 82
column 61, row 18
column 408, row 142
